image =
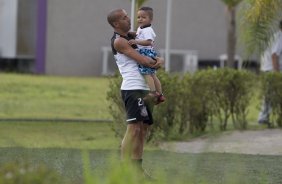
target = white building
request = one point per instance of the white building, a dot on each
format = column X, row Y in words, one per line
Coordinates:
column 65, row 37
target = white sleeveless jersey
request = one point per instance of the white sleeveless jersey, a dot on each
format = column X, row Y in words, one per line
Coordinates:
column 128, row 68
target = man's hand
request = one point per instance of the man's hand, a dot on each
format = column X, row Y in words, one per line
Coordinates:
column 132, row 42
column 132, row 34
column 122, row 46
column 275, row 62
column 159, row 62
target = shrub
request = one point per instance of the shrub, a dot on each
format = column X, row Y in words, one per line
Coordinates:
column 192, row 102
column 232, row 92
column 195, row 101
column 166, row 115
column 116, row 107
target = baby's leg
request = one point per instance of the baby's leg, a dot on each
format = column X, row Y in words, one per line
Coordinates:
column 150, row 81
column 158, row 86
column 157, row 83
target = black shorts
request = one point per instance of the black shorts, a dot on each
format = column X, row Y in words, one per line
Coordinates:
column 136, row 109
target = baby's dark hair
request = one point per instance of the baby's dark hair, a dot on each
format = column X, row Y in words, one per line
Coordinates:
column 280, row 24
column 147, row 9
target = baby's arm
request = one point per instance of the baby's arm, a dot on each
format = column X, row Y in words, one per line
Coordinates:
column 141, row 42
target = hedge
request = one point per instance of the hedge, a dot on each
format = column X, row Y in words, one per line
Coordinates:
column 195, row 103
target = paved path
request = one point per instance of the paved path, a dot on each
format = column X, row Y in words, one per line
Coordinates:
column 263, row 142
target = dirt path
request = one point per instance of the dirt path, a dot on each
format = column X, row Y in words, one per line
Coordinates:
column 263, row 142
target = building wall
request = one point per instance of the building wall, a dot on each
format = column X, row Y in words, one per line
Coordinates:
column 17, row 28
column 26, row 34
column 8, row 28
column 78, row 29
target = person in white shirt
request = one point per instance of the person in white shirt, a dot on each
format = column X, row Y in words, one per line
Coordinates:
column 271, row 61
column 134, row 88
column 145, row 37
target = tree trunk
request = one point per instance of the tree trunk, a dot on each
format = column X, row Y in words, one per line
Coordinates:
column 231, row 37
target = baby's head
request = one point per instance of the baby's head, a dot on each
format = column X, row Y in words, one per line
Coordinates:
column 148, row 11
column 144, row 16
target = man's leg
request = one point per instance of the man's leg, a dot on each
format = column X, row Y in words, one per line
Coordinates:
column 139, row 162
column 145, row 130
column 131, row 143
column 264, row 113
column 133, row 146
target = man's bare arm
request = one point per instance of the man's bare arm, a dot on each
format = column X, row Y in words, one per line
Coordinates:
column 140, row 42
column 275, row 62
column 122, row 46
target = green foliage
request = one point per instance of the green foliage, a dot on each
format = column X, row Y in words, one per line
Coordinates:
column 166, row 114
column 271, row 91
column 258, row 19
column 193, row 102
column 231, row 3
column 23, row 173
column 232, row 92
column 116, row 107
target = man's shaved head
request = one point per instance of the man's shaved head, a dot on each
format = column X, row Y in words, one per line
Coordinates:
column 113, row 16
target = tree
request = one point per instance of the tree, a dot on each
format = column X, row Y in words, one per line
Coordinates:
column 259, row 19
column 231, row 34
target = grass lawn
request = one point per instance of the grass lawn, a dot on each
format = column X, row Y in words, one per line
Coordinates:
column 49, row 97
column 179, row 168
column 59, row 144
column 57, row 135
column 31, row 96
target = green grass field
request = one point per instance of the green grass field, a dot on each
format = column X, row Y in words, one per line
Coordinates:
column 30, row 96
column 49, row 97
column 179, row 168
column 57, row 135
column 59, row 144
